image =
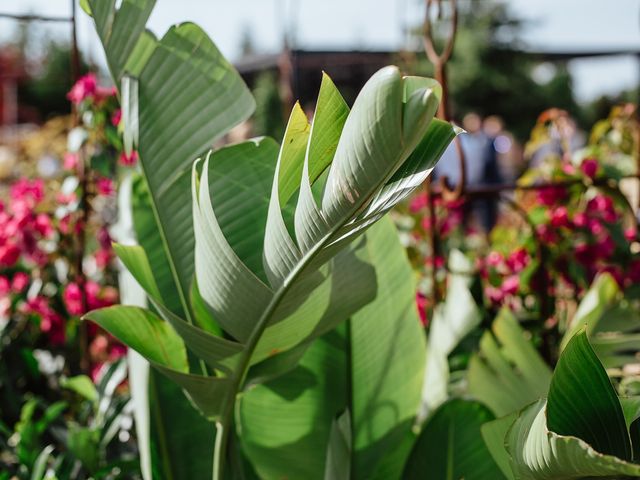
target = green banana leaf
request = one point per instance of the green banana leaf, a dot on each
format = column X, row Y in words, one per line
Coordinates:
column 271, row 291
column 363, row 375
column 612, row 323
column 507, row 372
column 179, row 95
column 582, row 430
column 451, row 446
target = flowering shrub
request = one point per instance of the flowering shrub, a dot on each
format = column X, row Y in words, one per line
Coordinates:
column 574, row 230
column 548, row 250
column 42, row 290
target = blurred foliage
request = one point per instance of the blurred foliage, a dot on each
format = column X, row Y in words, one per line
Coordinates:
column 268, row 118
column 48, row 65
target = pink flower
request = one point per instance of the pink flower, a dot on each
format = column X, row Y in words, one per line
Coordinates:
column 634, row 271
column 28, row 191
column 452, row 220
column 116, row 117
column 104, row 92
column 630, row 234
column 494, row 294
column 418, row 202
column 104, row 186
column 602, row 206
column 510, row 285
column 5, row 286
column 70, row 161
column 421, row 304
column 50, row 322
column 99, row 345
column 86, row 86
column 518, row 260
column 605, row 247
column 64, row 225
column 72, row 297
column 589, row 167
column 20, row 282
column 568, row 169
column 9, row 254
column 494, row 259
column 595, row 226
column 66, row 199
column 129, row 160
column 103, row 258
column 551, row 195
column 546, row 234
column 43, row 225
column 116, row 351
column 580, row 220
column 559, row 217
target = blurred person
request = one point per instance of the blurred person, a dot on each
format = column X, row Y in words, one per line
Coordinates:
column 508, row 155
column 481, row 168
column 555, row 134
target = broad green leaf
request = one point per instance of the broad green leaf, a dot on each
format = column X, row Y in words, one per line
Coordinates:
column 147, row 235
column 581, row 431
column 188, row 96
column 82, row 385
column 383, row 344
column 144, row 332
column 136, row 261
column 601, row 294
column 156, row 340
column 494, row 434
column 173, row 440
column 119, row 30
column 450, row 445
column 583, row 403
column 82, row 442
column 387, row 347
column 285, row 424
column 507, row 373
column 375, row 131
column 338, row 464
column 218, row 352
column 181, row 440
column 539, row 454
column 612, row 323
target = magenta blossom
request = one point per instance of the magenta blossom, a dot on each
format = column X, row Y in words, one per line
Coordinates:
column 85, row 87
column 560, row 217
column 518, row 260
column 510, row 285
column 129, row 160
column 589, row 167
column 70, row 161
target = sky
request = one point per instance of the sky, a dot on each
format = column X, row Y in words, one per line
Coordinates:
column 378, row 24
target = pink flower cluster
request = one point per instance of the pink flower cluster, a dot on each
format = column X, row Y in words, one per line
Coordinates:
column 449, row 215
column 94, row 297
column 22, row 228
column 87, row 88
column 508, row 269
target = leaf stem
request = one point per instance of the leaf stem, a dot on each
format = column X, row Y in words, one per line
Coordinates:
column 219, row 449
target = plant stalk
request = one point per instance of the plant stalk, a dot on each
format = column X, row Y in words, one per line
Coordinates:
column 219, row 449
